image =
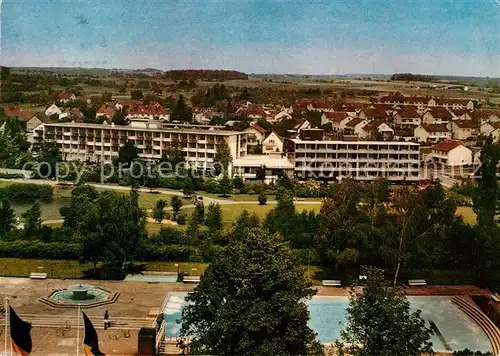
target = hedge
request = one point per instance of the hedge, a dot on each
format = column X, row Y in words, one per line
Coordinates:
column 27, row 193
column 37, row 249
column 179, row 253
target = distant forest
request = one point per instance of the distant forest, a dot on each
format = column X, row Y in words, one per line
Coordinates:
column 413, row 77
column 204, row 74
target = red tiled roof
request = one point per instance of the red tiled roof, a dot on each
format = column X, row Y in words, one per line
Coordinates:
column 354, row 122
column 75, row 112
column 336, row 116
column 376, row 113
column 452, row 101
column 320, row 105
column 146, row 110
column 16, row 111
column 129, row 102
column 466, row 124
column 408, row 111
column 64, row 96
column 258, row 128
column 441, row 113
column 435, row 127
column 106, row 110
column 446, row 145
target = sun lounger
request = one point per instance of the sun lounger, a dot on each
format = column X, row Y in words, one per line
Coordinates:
column 417, row 282
column 38, row 275
column 331, row 283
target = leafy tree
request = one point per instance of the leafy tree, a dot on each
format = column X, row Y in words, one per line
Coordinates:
column 193, row 227
column 173, row 156
column 225, row 186
column 181, row 219
column 9, row 152
column 176, row 204
column 250, row 301
column 47, row 155
column 238, row 182
column 188, row 187
column 127, row 153
column 180, row 111
column 119, row 118
column 280, row 219
column 380, row 322
column 285, row 182
column 245, row 95
column 136, row 95
column 262, row 198
column 7, row 217
column 213, row 219
column 199, row 212
column 158, row 212
column 32, row 220
column 260, row 173
column 222, row 158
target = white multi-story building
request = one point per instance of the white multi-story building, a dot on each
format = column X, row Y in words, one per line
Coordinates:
column 101, row 142
column 361, row 160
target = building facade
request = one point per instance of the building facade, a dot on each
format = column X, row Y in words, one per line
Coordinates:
column 101, row 142
column 360, row 160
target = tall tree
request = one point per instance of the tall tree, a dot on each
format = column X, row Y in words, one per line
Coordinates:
column 176, row 204
column 158, row 211
column 213, row 219
column 7, row 217
column 127, row 153
column 225, row 185
column 180, row 111
column 32, row 220
column 260, row 173
column 199, row 212
column 47, row 155
column 173, row 157
column 222, row 158
column 380, row 322
column 250, row 301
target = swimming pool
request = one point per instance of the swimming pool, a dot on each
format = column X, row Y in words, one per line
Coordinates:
column 328, row 315
column 151, row 278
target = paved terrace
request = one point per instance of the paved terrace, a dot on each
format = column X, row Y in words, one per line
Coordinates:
column 54, row 329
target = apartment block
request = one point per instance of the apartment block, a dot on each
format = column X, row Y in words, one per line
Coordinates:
column 361, row 160
column 101, row 142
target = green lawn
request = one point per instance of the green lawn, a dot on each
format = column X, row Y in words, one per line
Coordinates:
column 231, row 212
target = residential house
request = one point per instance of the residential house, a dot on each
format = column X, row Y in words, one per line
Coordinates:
column 272, row 144
column 71, row 113
column 282, row 115
column 151, row 111
column 53, row 110
column 490, row 128
column 256, row 134
column 479, row 116
column 252, row 112
column 451, row 103
column 15, row 111
column 354, row 126
column 320, row 106
column 203, row 115
column 105, row 111
column 66, row 97
column 35, row 121
column 432, row 133
column 451, row 153
column 437, row 115
column 376, row 130
column 338, row 119
column 407, row 116
column 463, row 129
column 125, row 103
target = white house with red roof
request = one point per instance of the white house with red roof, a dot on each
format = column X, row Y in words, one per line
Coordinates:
column 272, row 144
column 151, row 112
column 105, row 111
column 407, row 116
column 66, row 97
column 53, row 110
column 432, row 133
column 256, row 135
column 451, row 153
column 463, row 129
column 203, row 115
column 338, row 119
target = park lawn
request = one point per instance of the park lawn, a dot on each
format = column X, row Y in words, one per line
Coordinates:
column 231, row 212
column 19, row 267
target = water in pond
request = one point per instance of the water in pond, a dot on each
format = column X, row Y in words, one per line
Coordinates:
column 48, row 209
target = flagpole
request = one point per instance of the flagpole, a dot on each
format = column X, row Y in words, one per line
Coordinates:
column 78, row 331
column 6, row 302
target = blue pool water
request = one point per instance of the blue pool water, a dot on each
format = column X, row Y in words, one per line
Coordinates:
column 328, row 316
column 151, row 278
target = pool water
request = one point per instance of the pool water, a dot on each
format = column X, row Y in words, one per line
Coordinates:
column 328, row 316
column 151, row 278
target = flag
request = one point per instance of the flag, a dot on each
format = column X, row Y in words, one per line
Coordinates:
column 90, row 341
column 20, row 336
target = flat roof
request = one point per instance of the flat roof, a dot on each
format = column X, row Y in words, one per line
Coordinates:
column 134, row 128
column 297, row 140
column 270, row 161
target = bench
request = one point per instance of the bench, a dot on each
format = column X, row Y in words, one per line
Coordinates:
column 191, row 279
column 331, row 283
column 417, row 282
column 38, row 275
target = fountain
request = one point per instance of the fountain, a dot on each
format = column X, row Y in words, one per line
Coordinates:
column 85, row 295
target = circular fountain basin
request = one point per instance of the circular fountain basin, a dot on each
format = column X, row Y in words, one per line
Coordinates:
column 80, row 291
column 80, row 294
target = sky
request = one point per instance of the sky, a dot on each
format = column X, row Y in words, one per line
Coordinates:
column 440, row 37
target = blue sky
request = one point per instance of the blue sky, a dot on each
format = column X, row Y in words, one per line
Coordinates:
column 460, row 37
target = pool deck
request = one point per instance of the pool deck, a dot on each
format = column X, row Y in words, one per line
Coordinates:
column 133, row 307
